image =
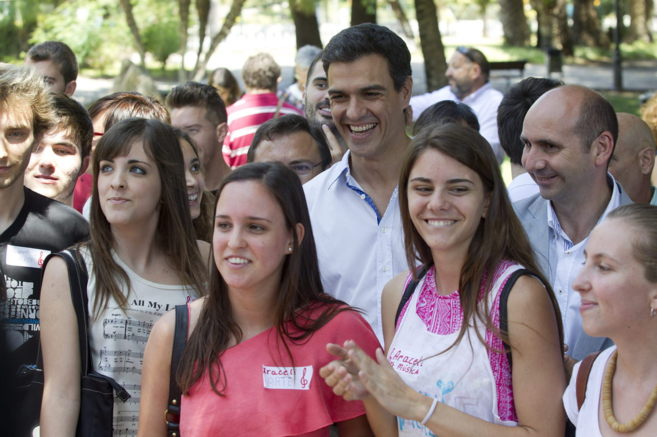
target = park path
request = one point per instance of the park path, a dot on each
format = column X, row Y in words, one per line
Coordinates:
column 637, row 76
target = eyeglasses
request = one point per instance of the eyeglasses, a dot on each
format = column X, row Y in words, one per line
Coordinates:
column 466, row 52
column 303, row 168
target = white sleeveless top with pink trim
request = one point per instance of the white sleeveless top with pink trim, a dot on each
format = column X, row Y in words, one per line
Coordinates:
column 472, row 377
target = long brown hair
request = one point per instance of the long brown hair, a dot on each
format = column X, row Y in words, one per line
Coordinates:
column 499, row 236
column 300, row 290
column 174, row 227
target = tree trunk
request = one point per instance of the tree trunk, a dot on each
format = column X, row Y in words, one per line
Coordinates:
column 183, row 12
column 563, row 29
column 514, row 23
column 640, row 14
column 431, row 42
column 306, row 26
column 544, row 17
column 134, row 30
column 363, row 11
column 587, row 29
column 398, row 10
column 483, row 11
column 229, row 21
column 203, row 12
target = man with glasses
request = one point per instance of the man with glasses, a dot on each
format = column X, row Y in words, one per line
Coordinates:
column 467, row 75
column 291, row 140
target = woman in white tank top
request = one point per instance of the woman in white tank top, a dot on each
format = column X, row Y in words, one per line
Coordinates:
column 445, row 371
column 142, row 260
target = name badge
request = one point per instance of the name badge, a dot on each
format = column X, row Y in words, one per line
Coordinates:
column 287, row 378
column 26, row 256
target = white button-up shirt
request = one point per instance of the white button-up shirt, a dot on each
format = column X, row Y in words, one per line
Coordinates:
column 359, row 248
column 483, row 102
column 568, row 259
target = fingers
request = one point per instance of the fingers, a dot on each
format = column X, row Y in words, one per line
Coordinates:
column 334, row 145
column 337, row 350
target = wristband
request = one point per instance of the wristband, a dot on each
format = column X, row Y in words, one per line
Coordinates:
column 432, row 409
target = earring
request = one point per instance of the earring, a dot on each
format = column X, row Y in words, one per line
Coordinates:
column 289, row 249
column 652, row 312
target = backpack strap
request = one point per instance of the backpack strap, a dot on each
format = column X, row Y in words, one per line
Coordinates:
column 504, row 311
column 408, row 291
column 583, row 378
column 172, row 413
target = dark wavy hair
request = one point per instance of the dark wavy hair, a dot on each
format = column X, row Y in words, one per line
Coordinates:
column 499, row 236
column 174, row 226
column 300, row 289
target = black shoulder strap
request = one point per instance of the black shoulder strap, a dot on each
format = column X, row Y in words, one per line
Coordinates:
column 504, row 313
column 408, row 291
column 179, row 340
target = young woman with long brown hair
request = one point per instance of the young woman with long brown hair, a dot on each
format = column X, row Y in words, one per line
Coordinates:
column 142, row 259
column 452, row 367
column 250, row 367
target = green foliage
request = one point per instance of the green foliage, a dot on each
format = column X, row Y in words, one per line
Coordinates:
column 636, row 51
column 626, row 101
column 161, row 39
column 94, row 29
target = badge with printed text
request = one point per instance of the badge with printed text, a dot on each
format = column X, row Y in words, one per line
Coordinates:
column 287, row 378
column 26, row 256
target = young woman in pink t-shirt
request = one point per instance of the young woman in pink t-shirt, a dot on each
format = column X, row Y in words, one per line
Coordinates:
column 257, row 342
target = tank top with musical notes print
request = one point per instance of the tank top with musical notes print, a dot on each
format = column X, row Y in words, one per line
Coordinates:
column 118, row 338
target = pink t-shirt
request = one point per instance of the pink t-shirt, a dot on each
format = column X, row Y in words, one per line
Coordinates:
column 269, row 394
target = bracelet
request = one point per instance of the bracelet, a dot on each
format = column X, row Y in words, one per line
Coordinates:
column 432, row 409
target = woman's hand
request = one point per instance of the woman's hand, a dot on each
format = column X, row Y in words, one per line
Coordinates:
column 342, row 376
column 382, row 382
column 334, row 145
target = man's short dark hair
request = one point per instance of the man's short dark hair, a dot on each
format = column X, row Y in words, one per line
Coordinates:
column 75, row 119
column 198, row 94
column 513, row 108
column 60, row 54
column 370, row 39
column 261, row 71
column 287, row 125
column 446, row 111
column 596, row 115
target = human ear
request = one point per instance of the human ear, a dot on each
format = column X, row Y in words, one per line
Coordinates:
column 646, row 160
column 603, row 147
column 221, row 130
column 70, row 87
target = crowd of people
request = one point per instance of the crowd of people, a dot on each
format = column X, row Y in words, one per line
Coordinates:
column 327, row 271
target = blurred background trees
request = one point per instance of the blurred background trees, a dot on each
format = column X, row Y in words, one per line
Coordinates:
column 102, row 32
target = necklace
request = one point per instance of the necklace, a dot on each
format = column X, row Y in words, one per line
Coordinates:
column 607, row 405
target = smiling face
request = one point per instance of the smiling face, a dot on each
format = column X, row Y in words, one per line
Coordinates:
column 251, row 239
column 316, row 101
column 615, row 295
column 446, row 202
column 554, row 154
column 193, row 178
column 366, row 108
column 16, row 140
column 129, row 188
column 54, row 165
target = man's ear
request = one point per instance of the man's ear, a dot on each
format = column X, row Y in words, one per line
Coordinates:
column 603, row 148
column 646, row 158
column 221, row 131
column 84, row 165
column 406, row 91
column 70, row 87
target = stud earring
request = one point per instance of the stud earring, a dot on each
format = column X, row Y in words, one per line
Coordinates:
column 289, row 249
column 652, row 312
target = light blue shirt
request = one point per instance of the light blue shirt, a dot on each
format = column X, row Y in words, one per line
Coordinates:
column 359, row 248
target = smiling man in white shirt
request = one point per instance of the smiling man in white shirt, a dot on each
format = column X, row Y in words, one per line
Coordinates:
column 468, row 74
column 353, row 206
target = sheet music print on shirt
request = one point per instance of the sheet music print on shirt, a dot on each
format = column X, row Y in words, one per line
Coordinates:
column 118, row 338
